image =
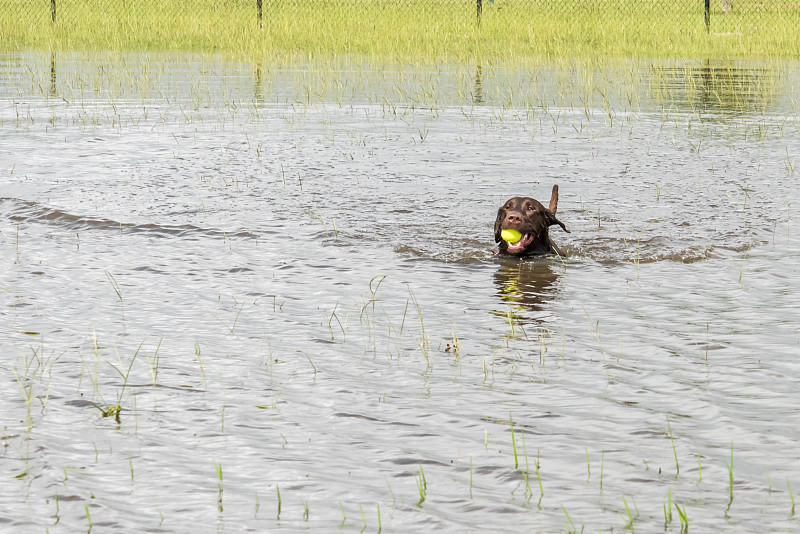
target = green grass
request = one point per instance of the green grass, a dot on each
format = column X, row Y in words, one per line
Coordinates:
column 413, row 30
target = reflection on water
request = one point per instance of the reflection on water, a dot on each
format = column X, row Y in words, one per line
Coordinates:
column 717, row 86
column 258, row 94
column 477, row 94
column 52, row 73
column 526, row 285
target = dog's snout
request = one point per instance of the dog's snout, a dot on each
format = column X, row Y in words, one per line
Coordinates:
column 513, row 217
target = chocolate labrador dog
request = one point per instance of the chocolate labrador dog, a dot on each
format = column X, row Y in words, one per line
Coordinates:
column 531, row 219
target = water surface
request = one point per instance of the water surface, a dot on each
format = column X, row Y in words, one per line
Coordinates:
column 286, row 271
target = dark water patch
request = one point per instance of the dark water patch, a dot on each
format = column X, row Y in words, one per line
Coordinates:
column 181, row 388
column 358, row 416
column 235, row 270
column 415, row 461
column 80, row 403
column 149, row 269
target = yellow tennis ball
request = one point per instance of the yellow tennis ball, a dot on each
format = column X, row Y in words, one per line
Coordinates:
column 510, row 235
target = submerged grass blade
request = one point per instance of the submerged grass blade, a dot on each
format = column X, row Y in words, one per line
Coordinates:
column 422, row 487
column 683, row 517
column 513, row 442
column 730, row 478
column 674, row 450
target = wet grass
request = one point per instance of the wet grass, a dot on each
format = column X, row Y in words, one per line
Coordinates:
column 397, row 31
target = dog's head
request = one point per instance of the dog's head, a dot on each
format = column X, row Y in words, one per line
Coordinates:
column 531, row 219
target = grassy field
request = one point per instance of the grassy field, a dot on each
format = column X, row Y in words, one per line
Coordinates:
column 416, row 31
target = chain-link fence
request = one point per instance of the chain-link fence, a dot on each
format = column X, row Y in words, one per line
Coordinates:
column 714, row 16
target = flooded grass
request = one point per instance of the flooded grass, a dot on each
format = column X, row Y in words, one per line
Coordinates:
column 399, row 32
column 171, row 260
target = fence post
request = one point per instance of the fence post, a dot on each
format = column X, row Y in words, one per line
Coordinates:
column 53, row 10
column 708, row 16
column 258, row 5
column 479, row 11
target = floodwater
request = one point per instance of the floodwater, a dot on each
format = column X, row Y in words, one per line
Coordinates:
column 283, row 276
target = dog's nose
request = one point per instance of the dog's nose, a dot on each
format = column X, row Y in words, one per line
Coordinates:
column 513, row 218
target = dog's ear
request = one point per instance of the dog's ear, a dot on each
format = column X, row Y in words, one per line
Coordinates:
column 551, row 220
column 501, row 214
column 554, row 200
column 551, row 211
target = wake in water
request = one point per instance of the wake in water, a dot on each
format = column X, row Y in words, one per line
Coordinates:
column 27, row 212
